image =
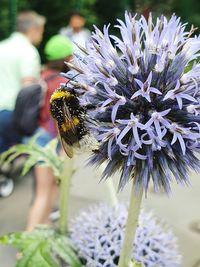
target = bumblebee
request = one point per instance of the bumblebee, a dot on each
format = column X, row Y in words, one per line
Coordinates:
column 70, row 118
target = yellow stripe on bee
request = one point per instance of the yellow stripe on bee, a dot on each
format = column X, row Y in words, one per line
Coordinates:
column 66, row 126
column 76, row 121
column 59, row 94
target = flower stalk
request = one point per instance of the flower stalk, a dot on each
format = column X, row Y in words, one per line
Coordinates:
column 64, row 194
column 131, row 226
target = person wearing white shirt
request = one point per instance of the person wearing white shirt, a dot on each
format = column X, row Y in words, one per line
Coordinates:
column 75, row 31
column 19, row 66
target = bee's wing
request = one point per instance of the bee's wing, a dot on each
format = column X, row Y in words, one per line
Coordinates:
column 67, row 148
column 73, row 134
column 67, row 137
column 68, row 118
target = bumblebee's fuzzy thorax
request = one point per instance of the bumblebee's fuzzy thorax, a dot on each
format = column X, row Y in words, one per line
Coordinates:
column 60, row 98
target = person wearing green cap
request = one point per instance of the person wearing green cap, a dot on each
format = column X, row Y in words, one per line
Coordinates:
column 58, row 47
column 57, row 50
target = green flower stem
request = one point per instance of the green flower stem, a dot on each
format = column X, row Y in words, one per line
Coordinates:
column 131, row 226
column 64, row 194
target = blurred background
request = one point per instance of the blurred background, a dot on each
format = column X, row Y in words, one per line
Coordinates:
column 97, row 12
column 181, row 210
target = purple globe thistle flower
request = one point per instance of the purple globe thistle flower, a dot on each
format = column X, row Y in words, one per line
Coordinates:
column 146, row 106
column 98, row 235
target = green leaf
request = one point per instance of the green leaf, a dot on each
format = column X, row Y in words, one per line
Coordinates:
column 46, row 156
column 29, row 163
column 43, row 247
column 66, row 253
column 48, row 258
column 13, row 239
column 27, row 257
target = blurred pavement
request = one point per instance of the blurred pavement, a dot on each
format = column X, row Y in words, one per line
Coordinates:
column 179, row 210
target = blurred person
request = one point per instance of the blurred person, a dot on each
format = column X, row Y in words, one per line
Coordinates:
column 19, row 67
column 75, row 30
column 57, row 50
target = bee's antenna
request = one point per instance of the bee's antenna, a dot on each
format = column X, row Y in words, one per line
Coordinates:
column 69, row 76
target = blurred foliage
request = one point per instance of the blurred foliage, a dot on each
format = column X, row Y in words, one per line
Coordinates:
column 4, row 19
column 156, row 7
column 43, row 247
column 97, row 12
column 188, row 10
column 107, row 11
column 46, row 156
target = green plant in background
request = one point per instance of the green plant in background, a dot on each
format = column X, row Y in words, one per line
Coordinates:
column 156, row 7
column 4, row 18
column 108, row 11
column 189, row 11
column 44, row 247
column 96, row 11
column 46, row 156
column 12, row 15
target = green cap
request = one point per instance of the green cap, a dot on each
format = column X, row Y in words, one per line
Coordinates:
column 58, row 47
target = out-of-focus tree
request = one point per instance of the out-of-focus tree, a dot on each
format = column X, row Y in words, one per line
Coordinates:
column 4, row 19
column 98, row 12
column 156, row 7
column 8, row 13
column 108, row 11
column 189, row 11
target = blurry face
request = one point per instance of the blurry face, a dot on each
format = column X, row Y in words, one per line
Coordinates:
column 77, row 23
column 37, row 34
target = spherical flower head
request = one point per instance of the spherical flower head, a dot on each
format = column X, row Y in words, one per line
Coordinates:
column 146, row 106
column 98, row 235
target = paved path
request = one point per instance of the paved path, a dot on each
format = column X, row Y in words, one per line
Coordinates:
column 179, row 210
